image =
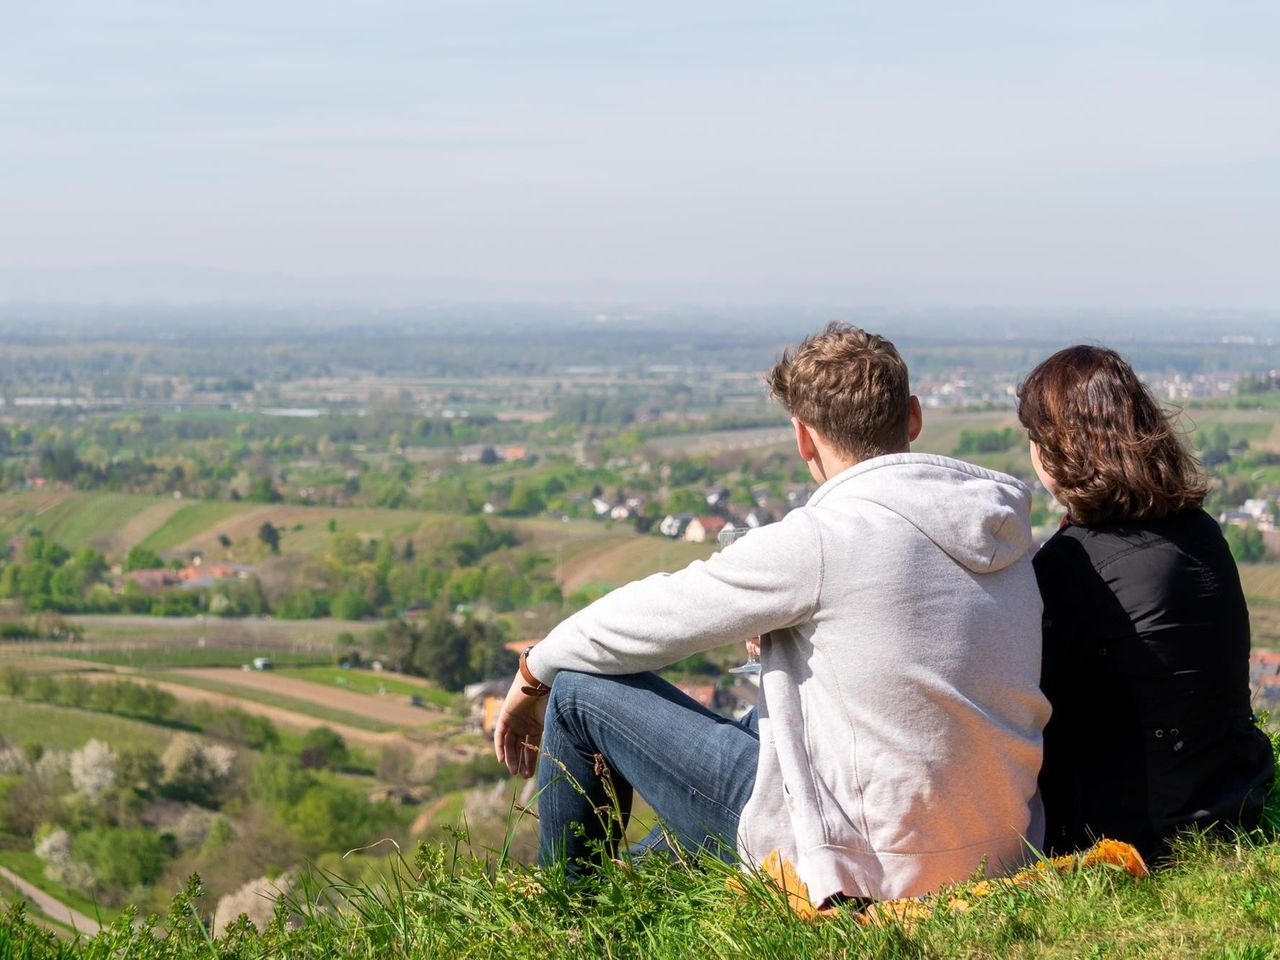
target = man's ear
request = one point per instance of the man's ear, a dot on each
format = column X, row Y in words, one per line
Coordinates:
column 804, row 441
column 915, row 421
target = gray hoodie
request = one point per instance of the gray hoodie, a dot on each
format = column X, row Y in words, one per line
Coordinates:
column 901, row 715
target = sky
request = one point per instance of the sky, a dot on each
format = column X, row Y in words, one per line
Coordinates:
column 1091, row 154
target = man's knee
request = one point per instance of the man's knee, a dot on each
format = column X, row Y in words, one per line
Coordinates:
column 569, row 689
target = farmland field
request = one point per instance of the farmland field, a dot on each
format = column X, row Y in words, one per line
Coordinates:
column 68, row 728
column 272, row 635
column 290, row 711
column 369, row 682
column 610, row 564
column 163, row 658
column 1261, row 582
column 81, row 520
column 190, row 520
column 378, row 711
column 116, row 522
column 1260, row 427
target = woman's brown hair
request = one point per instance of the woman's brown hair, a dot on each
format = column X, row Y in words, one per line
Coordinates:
column 1104, row 440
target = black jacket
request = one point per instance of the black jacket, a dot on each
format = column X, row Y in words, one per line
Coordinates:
column 1146, row 664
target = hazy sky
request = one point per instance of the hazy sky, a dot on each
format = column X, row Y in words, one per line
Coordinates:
column 1053, row 154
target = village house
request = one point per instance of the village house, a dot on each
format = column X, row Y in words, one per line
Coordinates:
column 674, row 525
column 798, row 494
column 198, row 575
column 702, row 529
column 152, row 579
column 717, row 497
column 484, row 703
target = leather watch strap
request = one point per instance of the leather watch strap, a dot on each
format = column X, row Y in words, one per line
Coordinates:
column 533, row 686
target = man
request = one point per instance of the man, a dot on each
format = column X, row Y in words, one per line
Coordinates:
column 900, row 715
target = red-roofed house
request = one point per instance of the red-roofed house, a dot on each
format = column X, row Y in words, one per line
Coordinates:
column 702, row 529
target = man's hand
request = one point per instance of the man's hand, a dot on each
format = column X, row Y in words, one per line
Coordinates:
column 519, row 730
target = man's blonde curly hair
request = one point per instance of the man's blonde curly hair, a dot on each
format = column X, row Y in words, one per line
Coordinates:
column 851, row 387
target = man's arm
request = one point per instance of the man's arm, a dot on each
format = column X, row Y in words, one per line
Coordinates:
column 766, row 581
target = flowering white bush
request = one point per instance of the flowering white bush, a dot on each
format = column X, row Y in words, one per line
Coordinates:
column 55, row 848
column 93, row 769
column 13, row 762
column 196, row 769
column 60, row 866
column 220, row 759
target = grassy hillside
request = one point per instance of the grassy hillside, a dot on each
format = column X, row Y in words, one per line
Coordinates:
column 192, row 520
column 111, row 522
column 1215, row 899
column 66, row 728
column 116, row 522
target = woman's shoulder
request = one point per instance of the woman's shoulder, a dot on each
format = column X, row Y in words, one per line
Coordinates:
column 1166, row 549
column 1191, row 533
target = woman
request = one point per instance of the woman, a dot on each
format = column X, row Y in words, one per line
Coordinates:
column 1146, row 633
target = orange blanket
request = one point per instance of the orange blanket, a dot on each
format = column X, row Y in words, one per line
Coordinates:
column 781, row 874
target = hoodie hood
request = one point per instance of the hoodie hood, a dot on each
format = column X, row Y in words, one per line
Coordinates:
column 979, row 518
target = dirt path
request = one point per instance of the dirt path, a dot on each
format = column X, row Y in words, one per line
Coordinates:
column 423, row 820
column 388, row 708
column 55, row 910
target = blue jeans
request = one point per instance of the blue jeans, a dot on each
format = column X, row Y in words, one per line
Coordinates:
column 606, row 737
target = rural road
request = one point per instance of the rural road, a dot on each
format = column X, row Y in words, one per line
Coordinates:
column 53, row 909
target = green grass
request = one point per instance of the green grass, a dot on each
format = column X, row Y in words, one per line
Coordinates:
column 1218, row 899
column 316, row 711
column 68, row 728
column 80, row 520
column 191, row 520
column 366, row 681
column 1215, row 897
column 74, row 520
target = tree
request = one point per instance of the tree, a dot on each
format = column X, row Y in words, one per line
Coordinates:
column 443, row 654
column 138, row 769
column 300, row 604
column 1246, row 543
column 269, row 534
column 142, row 558
column 263, row 490
column 346, row 549
column 321, row 748
column 122, row 859
column 350, row 605
column 193, row 771
column 93, row 769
